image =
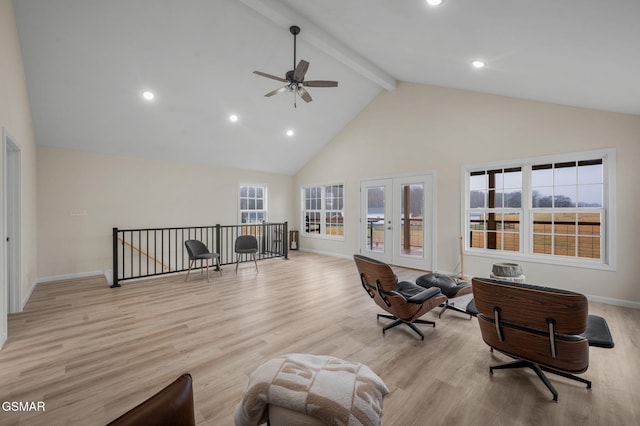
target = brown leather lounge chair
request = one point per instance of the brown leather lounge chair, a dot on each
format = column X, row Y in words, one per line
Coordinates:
column 173, row 406
column 405, row 301
column 543, row 328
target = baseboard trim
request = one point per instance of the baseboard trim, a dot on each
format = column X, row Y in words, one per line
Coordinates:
column 615, row 302
column 43, row 280
column 325, row 253
column 26, row 297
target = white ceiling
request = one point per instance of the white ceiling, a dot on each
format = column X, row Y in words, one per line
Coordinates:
column 87, row 62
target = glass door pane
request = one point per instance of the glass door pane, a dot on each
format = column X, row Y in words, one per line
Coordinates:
column 375, row 218
column 411, row 219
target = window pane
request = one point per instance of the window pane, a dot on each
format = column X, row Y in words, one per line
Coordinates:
column 259, row 192
column 564, row 223
column 542, row 223
column 513, row 199
column 542, row 175
column 589, row 223
column 495, row 178
column 565, row 196
column 244, row 217
column 564, row 175
column 334, row 223
column 541, row 197
column 590, row 174
column 477, row 199
column 243, row 203
column 243, row 191
column 513, row 179
column 589, row 247
column 478, row 182
column 252, row 191
column 590, row 195
column 252, row 204
column 542, row 244
column 259, row 204
column 564, row 245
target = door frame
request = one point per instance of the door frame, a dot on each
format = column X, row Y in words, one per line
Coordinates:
column 12, row 226
column 430, row 207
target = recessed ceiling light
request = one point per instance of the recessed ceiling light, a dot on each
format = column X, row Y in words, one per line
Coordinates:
column 148, row 95
column 233, row 118
column 434, row 2
column 289, row 132
column 478, row 64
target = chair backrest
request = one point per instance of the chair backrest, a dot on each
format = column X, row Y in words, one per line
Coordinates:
column 534, row 323
column 195, row 247
column 379, row 281
column 173, row 405
column 246, row 242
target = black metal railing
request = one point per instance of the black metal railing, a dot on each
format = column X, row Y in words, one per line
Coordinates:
column 140, row 253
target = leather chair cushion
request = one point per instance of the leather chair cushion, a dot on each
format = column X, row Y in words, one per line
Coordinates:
column 446, row 284
column 416, row 294
column 598, row 333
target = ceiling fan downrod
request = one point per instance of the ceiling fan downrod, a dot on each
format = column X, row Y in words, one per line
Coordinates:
column 295, row 30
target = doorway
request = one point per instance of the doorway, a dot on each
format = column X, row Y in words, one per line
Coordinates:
column 12, row 237
column 397, row 220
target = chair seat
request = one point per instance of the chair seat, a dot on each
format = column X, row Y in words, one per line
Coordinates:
column 246, row 251
column 206, row 256
column 416, row 294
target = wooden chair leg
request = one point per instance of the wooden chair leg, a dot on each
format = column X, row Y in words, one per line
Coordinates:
column 218, row 263
column 237, row 261
column 255, row 261
column 207, row 263
column 189, row 271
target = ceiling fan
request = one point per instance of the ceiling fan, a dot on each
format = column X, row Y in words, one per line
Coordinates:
column 295, row 78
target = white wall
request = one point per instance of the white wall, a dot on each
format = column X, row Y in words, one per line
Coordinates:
column 15, row 116
column 130, row 193
column 420, row 128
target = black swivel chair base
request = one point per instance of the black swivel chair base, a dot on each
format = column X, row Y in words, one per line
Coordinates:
column 410, row 324
column 539, row 371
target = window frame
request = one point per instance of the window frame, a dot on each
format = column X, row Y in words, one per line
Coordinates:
column 322, row 211
column 526, row 253
column 265, row 203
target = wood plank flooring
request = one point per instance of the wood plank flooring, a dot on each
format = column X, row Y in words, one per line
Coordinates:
column 91, row 352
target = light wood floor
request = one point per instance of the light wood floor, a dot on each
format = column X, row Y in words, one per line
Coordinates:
column 91, row 352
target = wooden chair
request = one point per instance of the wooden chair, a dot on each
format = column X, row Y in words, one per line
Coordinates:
column 246, row 244
column 543, row 328
column 197, row 250
column 406, row 302
column 173, row 405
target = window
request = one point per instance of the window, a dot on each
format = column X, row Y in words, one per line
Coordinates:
column 551, row 209
column 323, row 210
column 253, row 203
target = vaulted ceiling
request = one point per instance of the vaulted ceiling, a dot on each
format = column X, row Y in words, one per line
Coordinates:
column 87, row 63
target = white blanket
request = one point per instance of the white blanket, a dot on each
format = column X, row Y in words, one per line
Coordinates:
column 334, row 391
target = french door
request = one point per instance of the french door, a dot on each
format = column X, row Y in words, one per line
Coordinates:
column 397, row 220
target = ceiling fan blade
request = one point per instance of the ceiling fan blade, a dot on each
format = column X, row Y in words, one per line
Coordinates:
column 304, row 94
column 320, row 83
column 280, row 90
column 273, row 77
column 301, row 70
